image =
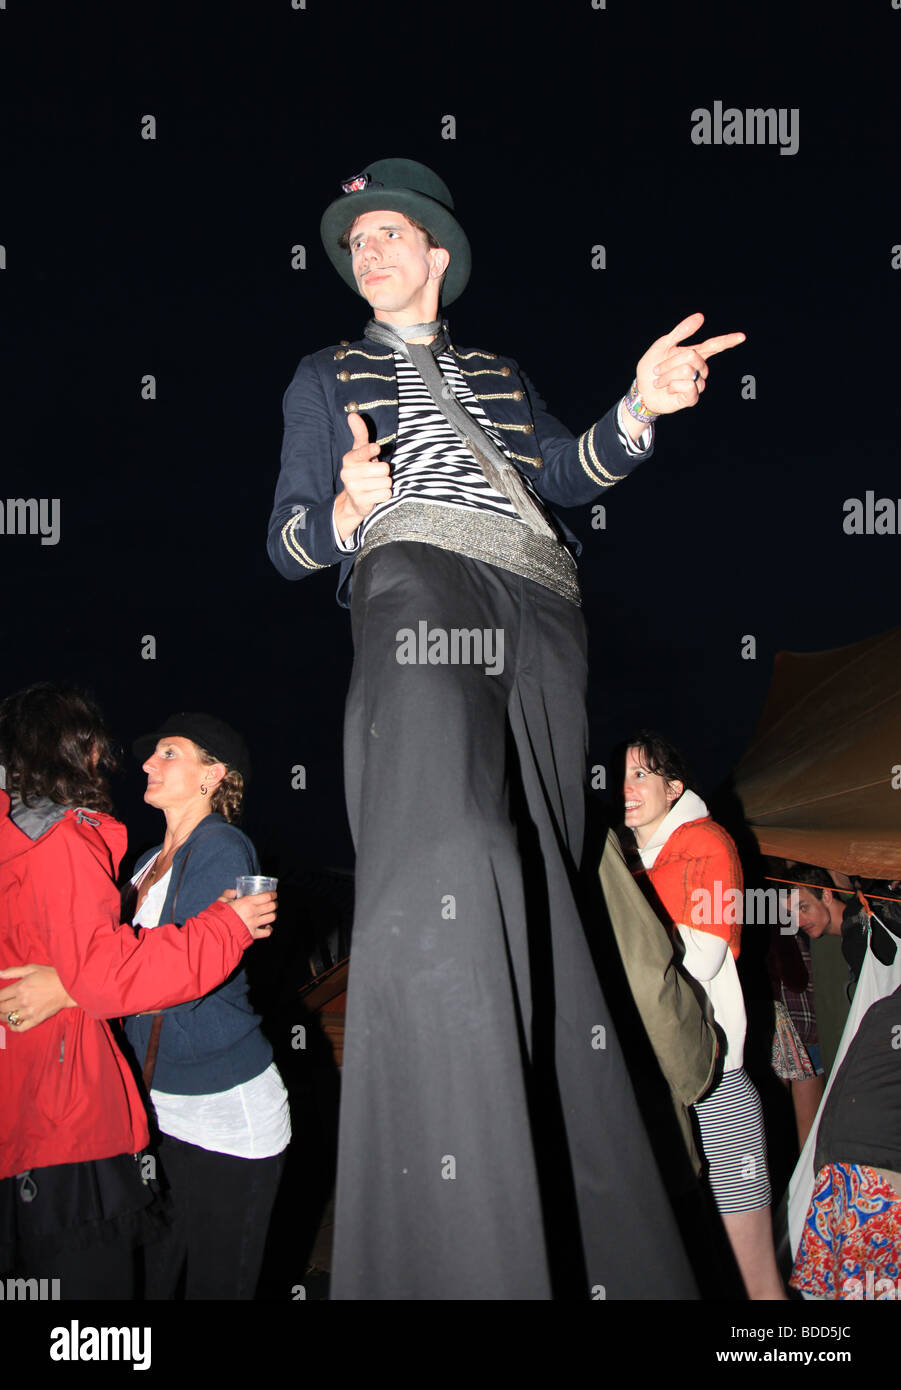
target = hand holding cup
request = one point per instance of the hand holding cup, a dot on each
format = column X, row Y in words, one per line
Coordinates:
column 256, row 902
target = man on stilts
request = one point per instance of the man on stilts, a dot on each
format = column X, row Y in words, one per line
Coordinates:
column 490, row 1146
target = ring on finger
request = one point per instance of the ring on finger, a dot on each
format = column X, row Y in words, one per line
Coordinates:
column 14, row 1018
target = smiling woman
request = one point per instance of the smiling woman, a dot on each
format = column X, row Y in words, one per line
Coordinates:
column 218, row 1099
column 685, row 854
column 180, row 774
column 75, row 1201
column 220, row 1108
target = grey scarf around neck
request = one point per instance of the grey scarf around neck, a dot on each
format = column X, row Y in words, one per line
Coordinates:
column 498, row 470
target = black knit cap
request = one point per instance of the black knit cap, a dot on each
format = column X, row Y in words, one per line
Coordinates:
column 399, row 185
column 217, row 737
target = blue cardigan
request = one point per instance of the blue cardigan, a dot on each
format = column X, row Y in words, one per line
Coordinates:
column 361, row 377
column 213, row 1043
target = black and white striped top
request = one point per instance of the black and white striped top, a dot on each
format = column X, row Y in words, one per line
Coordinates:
column 430, row 461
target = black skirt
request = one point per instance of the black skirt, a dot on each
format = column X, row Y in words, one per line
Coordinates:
column 78, row 1206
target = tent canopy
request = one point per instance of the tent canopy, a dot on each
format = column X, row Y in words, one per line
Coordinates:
column 821, row 779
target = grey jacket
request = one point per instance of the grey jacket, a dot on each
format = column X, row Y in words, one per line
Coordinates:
column 679, row 1027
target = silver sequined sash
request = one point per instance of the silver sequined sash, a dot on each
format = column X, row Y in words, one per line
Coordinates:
column 493, row 539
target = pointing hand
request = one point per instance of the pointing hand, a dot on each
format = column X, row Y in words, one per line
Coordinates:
column 671, row 375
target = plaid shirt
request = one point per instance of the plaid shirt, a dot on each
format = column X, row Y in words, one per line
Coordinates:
column 800, row 1003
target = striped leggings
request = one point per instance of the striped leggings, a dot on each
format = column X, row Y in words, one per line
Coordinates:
column 731, row 1123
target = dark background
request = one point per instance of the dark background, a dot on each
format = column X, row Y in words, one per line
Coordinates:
column 128, row 256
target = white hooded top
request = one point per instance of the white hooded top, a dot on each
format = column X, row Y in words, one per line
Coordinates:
column 706, row 957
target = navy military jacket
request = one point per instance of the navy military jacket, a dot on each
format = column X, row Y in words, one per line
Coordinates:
column 361, row 377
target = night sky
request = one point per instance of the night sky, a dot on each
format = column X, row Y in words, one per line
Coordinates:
column 124, row 256
column 172, row 257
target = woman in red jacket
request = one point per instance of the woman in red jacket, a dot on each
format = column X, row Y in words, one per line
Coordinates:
column 74, row 1196
column 695, row 878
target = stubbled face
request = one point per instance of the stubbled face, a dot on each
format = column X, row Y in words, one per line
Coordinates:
column 813, row 915
column 175, row 775
column 395, row 268
column 648, row 797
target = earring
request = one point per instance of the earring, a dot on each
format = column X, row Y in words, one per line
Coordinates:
column 203, row 791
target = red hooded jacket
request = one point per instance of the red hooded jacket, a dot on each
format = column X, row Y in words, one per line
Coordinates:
column 66, row 1092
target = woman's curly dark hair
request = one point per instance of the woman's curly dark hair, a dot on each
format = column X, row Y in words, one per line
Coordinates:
column 228, row 797
column 54, row 743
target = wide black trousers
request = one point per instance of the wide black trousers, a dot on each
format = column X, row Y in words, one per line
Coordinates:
column 490, row 1146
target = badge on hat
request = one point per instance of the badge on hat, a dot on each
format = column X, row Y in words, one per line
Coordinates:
column 408, row 187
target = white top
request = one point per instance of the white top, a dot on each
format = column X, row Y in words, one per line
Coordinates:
column 706, row 957
column 251, row 1120
column 150, row 911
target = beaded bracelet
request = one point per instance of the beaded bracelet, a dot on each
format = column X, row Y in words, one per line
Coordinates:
column 636, row 406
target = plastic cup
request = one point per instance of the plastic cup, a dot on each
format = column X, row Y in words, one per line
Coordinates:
column 245, row 884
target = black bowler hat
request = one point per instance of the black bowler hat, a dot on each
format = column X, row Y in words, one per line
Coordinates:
column 217, row 737
column 399, row 185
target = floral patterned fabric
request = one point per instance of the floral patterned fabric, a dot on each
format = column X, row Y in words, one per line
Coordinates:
column 851, row 1244
column 789, row 1058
